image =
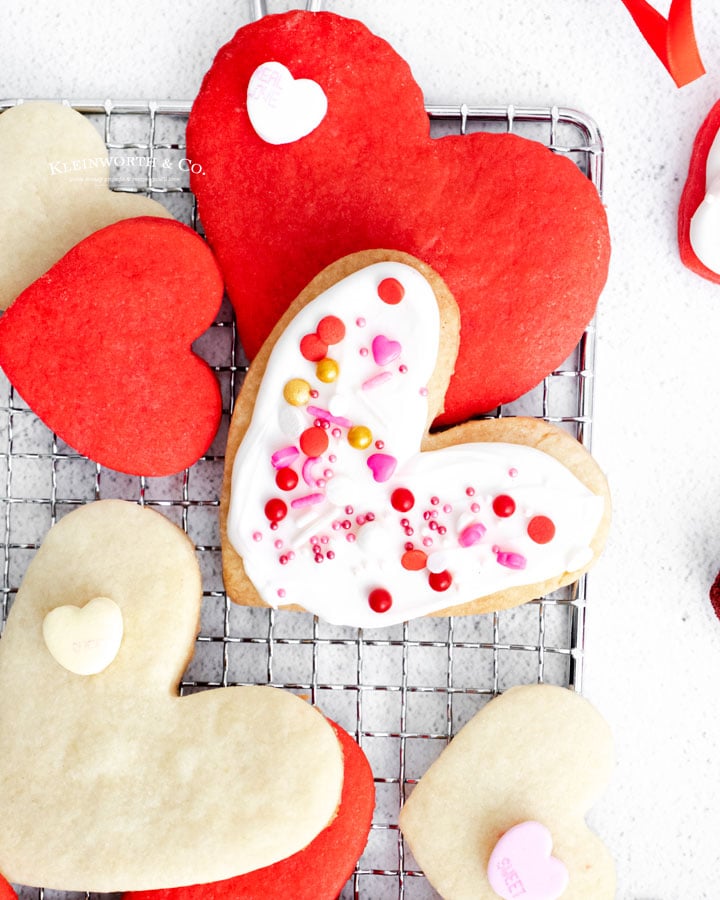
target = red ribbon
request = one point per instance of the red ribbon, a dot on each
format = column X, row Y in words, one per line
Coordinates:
column 672, row 39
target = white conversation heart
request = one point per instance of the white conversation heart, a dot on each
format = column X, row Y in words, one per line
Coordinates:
column 84, row 639
column 283, row 109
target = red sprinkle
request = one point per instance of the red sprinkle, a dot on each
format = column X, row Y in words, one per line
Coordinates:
column 440, row 581
column 541, row 529
column 314, row 441
column 402, row 499
column 503, row 506
column 413, row 560
column 313, row 348
column 380, row 600
column 275, row 509
column 331, row 330
column 286, row 479
column 390, row 291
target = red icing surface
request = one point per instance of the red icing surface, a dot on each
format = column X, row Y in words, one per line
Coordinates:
column 99, row 346
column 320, row 870
column 694, row 191
column 6, row 891
column 519, row 235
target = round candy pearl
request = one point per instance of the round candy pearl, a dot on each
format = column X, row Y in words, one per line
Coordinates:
column 503, row 506
column 327, row 370
column 286, row 479
column 275, row 509
column 380, row 600
column 297, row 392
column 390, row 291
column 402, row 499
column 359, row 437
column 313, row 348
column 440, row 581
column 331, row 330
column 541, row 529
column 314, row 441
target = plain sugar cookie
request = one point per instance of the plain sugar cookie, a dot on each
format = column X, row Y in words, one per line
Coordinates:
column 502, row 810
column 112, row 781
column 54, row 191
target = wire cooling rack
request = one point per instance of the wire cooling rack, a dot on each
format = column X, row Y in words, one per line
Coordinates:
column 403, row 691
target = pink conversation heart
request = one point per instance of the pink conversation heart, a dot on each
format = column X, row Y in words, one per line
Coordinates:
column 521, row 865
column 385, row 350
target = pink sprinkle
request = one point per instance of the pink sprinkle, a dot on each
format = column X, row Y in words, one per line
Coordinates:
column 447, row 508
column 513, row 472
column 423, row 392
column 348, row 510
column 326, row 416
column 370, row 517
column 314, row 393
column 285, row 457
column 307, row 474
column 257, row 536
column 382, row 466
column 360, row 322
column 350, row 538
column 328, row 473
column 336, row 433
column 364, row 351
column 470, row 491
column 332, row 458
column 472, row 534
column 278, row 545
column 475, row 507
column 402, row 370
column 330, row 554
column 281, row 592
column 307, row 500
column 511, row 560
column 376, row 381
column 427, row 542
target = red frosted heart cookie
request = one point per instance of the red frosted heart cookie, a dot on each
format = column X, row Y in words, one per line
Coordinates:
column 6, row 891
column 99, row 346
column 519, row 235
column 320, row 870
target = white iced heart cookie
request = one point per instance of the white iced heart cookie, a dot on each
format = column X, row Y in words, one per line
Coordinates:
column 84, row 639
column 283, row 109
column 171, row 790
column 54, row 187
column 339, row 501
column 501, row 812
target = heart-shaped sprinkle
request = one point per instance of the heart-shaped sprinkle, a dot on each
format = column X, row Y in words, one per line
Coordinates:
column 384, row 350
column 382, row 466
column 282, row 109
column 521, row 864
column 84, row 639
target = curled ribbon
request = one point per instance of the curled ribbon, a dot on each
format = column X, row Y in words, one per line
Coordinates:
column 672, row 39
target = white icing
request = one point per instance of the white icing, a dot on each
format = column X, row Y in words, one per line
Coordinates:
column 361, row 554
column 283, row 109
column 705, row 222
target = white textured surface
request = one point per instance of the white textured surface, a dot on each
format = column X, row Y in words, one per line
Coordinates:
column 653, row 643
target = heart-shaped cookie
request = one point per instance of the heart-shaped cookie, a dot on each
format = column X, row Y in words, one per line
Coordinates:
column 112, row 781
column 100, row 346
column 337, row 499
column 53, row 191
column 518, row 779
column 320, row 870
column 519, row 234
column 6, row 891
column 699, row 209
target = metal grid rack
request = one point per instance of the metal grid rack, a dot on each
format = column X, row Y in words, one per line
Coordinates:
column 403, row 691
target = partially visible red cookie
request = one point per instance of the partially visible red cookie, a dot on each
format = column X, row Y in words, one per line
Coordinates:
column 715, row 595
column 320, row 870
column 694, row 193
column 518, row 233
column 100, row 346
column 6, row 891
